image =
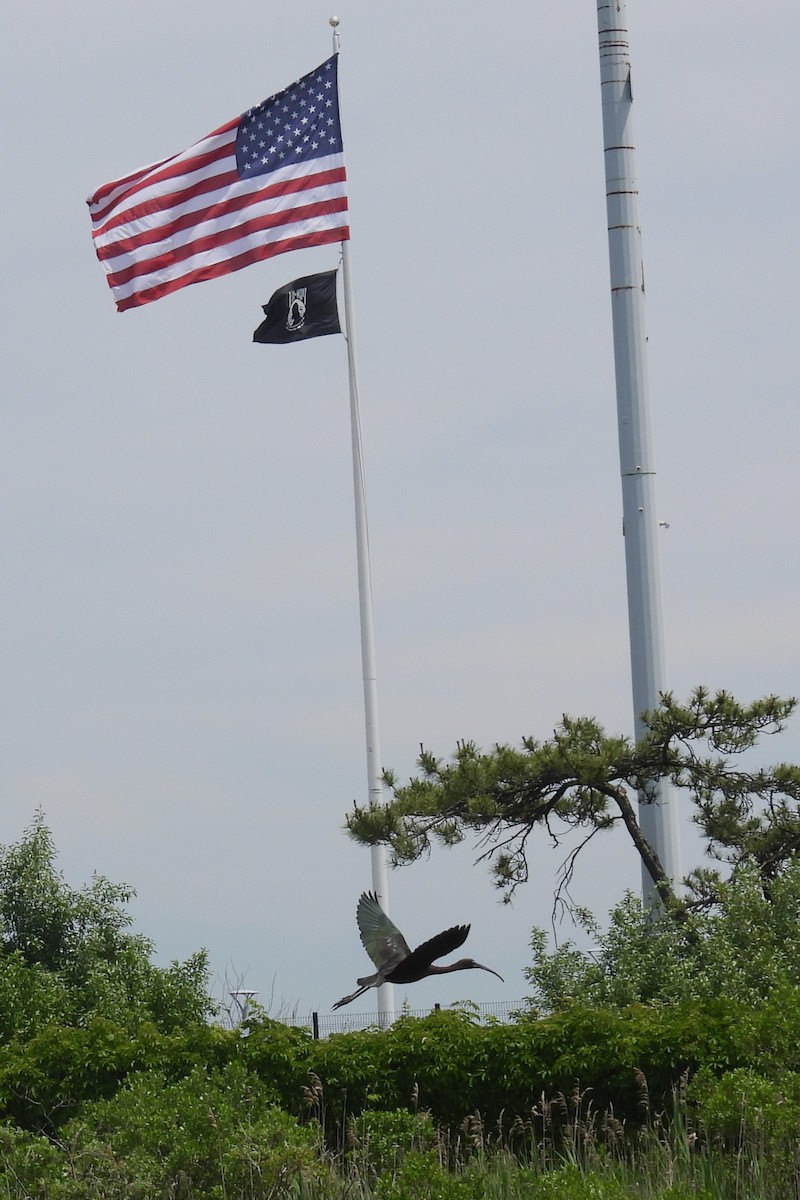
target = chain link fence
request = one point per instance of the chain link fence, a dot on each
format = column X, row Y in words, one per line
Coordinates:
column 322, row 1025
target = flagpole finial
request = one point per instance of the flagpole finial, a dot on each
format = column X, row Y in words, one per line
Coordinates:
column 334, row 21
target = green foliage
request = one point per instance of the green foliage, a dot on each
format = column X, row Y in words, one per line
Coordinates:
column 568, row 1181
column 211, row 1134
column 451, row 1067
column 745, row 948
column 45, row 921
column 584, row 779
column 29, row 1164
column 432, row 1062
column 46, row 1078
column 282, row 1056
column 743, row 1105
column 421, row 1174
column 379, row 1141
column 426, row 1108
column 67, row 955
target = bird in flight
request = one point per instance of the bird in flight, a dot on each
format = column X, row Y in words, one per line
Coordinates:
column 396, row 962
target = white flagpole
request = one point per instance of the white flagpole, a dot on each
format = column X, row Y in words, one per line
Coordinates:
column 657, row 815
column 380, row 872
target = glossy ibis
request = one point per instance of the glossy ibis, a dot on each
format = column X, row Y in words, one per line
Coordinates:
column 396, row 962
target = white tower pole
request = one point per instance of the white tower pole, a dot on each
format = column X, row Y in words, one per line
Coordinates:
column 380, row 871
column 657, row 815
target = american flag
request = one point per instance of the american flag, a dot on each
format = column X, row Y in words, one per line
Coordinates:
column 269, row 181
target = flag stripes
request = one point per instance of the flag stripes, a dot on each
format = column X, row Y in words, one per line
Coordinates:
column 194, row 216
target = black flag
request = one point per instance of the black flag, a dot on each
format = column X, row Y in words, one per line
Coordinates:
column 304, row 308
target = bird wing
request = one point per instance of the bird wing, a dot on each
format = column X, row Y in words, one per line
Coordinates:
column 438, row 946
column 381, row 938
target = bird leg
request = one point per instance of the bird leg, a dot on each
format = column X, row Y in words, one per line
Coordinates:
column 369, row 981
column 352, row 996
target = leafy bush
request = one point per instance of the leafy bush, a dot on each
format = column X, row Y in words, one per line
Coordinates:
column 45, row 1079
column 26, row 1162
column 422, row 1175
column 281, row 1055
column 744, row 948
column 452, row 1067
column 67, row 954
column 743, row 1105
column 211, row 1134
column 380, row 1141
column 455, row 1067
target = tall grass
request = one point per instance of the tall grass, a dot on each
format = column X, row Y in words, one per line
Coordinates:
column 562, row 1149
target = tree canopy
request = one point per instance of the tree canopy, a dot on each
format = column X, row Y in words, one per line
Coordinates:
column 745, row 947
column 587, row 780
column 67, row 954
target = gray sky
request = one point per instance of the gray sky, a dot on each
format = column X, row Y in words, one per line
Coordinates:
column 180, row 651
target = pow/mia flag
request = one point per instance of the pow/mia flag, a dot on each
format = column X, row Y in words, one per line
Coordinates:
column 304, row 308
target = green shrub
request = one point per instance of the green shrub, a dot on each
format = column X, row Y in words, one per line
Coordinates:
column 281, row 1055
column 380, row 1141
column 743, row 1106
column 570, row 1183
column 67, row 955
column 45, row 1079
column 743, row 946
column 454, row 1067
column 421, row 1176
column 211, row 1134
column 27, row 1161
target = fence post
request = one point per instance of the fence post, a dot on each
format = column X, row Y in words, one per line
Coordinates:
column 315, row 1026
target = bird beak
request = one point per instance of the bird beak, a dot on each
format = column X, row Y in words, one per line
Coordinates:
column 489, row 969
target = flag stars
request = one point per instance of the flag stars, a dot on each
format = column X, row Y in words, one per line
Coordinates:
column 310, row 129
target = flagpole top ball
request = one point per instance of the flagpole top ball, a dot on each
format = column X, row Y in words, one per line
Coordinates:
column 334, row 21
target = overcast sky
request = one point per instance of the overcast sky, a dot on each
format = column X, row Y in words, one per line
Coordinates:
column 181, row 677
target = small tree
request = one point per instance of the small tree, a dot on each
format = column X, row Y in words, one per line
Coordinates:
column 746, row 948
column 583, row 779
column 68, row 953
